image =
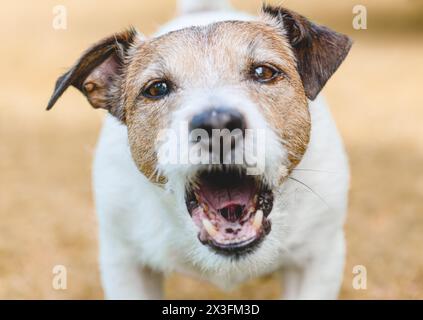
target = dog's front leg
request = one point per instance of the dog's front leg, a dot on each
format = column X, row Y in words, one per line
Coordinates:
column 321, row 277
column 123, row 277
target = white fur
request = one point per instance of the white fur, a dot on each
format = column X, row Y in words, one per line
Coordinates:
column 143, row 234
column 188, row 6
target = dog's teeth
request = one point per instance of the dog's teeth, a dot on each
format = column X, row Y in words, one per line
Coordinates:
column 205, row 207
column 211, row 230
column 255, row 199
column 258, row 219
column 197, row 197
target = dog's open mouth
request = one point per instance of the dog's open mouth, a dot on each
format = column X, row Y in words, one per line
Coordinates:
column 230, row 208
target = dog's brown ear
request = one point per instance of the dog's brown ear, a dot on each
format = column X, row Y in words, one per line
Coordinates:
column 95, row 72
column 319, row 50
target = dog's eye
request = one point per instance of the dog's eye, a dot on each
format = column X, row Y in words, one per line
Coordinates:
column 265, row 73
column 157, row 90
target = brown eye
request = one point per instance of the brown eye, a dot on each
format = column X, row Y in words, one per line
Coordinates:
column 157, row 90
column 265, row 73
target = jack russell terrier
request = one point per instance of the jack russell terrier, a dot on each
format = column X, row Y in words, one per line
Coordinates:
column 214, row 69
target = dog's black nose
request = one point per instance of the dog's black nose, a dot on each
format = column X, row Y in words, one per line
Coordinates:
column 218, row 118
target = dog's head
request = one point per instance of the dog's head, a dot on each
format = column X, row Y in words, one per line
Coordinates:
column 246, row 79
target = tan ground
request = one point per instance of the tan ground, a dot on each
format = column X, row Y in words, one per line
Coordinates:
column 46, row 209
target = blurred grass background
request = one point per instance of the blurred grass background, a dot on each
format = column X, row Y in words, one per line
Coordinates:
column 46, row 208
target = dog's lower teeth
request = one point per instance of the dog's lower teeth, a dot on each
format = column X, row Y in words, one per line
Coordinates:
column 211, row 230
column 258, row 219
column 197, row 196
column 205, row 207
column 255, row 199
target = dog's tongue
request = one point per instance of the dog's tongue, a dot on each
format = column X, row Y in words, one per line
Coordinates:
column 220, row 194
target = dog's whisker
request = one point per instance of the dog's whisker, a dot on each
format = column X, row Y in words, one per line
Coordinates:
column 154, row 173
column 314, row 170
column 310, row 189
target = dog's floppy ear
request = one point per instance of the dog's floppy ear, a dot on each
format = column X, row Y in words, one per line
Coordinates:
column 96, row 71
column 319, row 50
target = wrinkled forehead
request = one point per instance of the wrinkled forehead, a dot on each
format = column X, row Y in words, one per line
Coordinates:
column 221, row 49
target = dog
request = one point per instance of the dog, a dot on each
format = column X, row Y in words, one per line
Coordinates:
column 211, row 69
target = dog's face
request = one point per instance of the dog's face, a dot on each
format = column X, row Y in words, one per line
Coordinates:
column 235, row 76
